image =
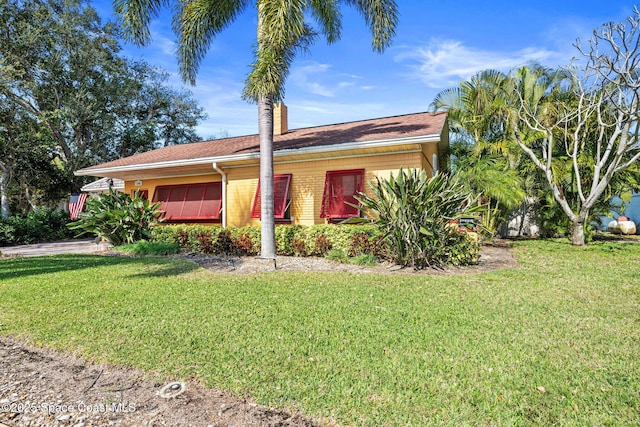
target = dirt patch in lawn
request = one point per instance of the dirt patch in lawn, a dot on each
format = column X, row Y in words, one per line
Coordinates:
column 496, row 255
column 41, row 387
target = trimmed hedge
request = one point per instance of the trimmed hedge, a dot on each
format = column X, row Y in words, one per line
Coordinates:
column 296, row 240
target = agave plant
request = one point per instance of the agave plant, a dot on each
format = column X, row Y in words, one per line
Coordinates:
column 419, row 218
column 118, row 218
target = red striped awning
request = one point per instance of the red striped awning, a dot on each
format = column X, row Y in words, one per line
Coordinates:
column 190, row 201
column 340, row 187
column 280, row 197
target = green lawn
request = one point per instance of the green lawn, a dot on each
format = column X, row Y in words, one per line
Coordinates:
column 361, row 349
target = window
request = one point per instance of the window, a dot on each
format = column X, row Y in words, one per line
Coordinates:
column 190, row 201
column 340, row 187
column 281, row 199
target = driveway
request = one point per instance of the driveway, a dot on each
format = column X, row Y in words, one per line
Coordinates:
column 72, row 246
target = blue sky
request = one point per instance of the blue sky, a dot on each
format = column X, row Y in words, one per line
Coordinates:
column 437, row 44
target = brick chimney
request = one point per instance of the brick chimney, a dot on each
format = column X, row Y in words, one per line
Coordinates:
column 280, row 120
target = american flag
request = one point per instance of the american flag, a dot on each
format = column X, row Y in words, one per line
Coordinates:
column 76, row 204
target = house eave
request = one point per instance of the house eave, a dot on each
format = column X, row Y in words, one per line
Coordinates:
column 347, row 147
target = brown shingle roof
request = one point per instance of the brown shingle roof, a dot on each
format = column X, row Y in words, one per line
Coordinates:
column 409, row 125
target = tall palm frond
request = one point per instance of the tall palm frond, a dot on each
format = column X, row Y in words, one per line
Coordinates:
column 197, row 23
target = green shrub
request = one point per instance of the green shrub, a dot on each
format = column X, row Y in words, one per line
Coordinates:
column 36, row 226
column 285, row 234
column 143, row 247
column 418, row 216
column 187, row 236
column 118, row 217
column 205, row 242
column 336, row 255
column 465, row 249
column 246, row 240
column 298, row 240
column 316, row 240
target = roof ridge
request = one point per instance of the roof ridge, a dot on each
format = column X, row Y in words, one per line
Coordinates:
column 391, row 128
column 435, row 113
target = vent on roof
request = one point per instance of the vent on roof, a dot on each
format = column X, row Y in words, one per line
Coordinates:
column 280, row 119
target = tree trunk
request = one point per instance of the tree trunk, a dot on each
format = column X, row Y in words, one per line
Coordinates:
column 265, row 129
column 577, row 234
column 4, row 200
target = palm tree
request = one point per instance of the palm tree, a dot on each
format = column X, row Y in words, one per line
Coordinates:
column 483, row 155
column 477, row 111
column 282, row 31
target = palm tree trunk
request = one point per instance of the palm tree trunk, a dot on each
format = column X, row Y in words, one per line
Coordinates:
column 265, row 129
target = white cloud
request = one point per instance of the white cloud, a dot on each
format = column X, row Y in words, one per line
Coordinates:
column 443, row 63
column 220, row 94
column 319, row 79
column 305, row 113
column 307, row 77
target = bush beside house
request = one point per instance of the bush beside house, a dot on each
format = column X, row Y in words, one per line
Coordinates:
column 419, row 217
column 118, row 217
column 36, row 226
column 414, row 226
column 336, row 241
column 291, row 240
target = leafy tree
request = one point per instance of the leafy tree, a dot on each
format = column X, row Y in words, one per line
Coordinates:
column 585, row 126
column 61, row 67
column 544, row 129
column 30, row 177
column 282, row 31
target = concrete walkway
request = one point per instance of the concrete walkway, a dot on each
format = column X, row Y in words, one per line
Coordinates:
column 75, row 246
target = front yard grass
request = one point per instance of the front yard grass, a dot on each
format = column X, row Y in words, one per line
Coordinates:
column 554, row 342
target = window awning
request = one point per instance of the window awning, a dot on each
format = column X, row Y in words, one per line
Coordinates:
column 280, row 197
column 190, row 201
column 340, row 187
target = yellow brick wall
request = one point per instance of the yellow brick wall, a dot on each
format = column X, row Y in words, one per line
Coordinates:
column 241, row 189
column 306, row 187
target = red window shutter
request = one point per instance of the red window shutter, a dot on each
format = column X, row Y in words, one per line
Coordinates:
column 340, row 187
column 193, row 201
column 280, row 196
column 173, row 205
column 162, row 195
column 190, row 201
column 212, row 203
